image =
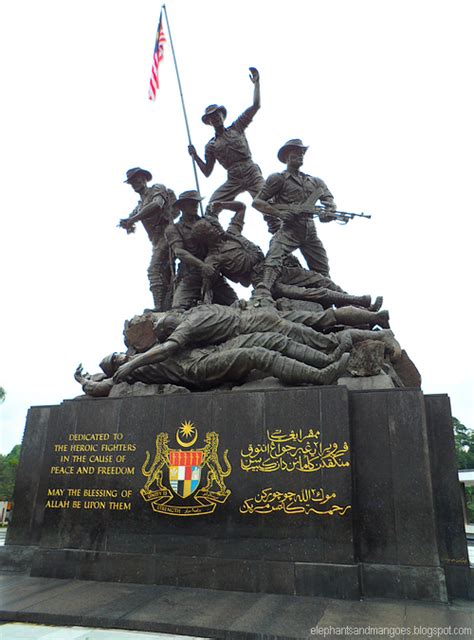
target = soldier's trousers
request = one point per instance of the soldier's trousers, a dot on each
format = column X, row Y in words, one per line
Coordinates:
column 282, row 344
column 270, row 322
column 233, row 365
column 188, row 292
column 301, row 235
column 159, row 275
column 244, row 176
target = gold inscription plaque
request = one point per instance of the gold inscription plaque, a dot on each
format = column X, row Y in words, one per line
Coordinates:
column 303, row 502
column 94, row 454
column 294, row 451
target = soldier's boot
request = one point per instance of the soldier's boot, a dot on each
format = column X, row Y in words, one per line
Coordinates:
column 345, row 345
column 270, row 274
column 392, row 346
column 354, row 316
column 261, row 294
column 377, row 305
column 160, row 297
column 339, row 299
column 308, row 355
column 294, row 372
column 316, row 358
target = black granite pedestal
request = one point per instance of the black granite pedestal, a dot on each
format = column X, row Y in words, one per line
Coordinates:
column 306, row 491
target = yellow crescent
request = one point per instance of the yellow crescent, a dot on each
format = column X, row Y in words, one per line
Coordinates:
column 189, row 444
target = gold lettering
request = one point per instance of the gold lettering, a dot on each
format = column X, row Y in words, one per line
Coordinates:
column 56, row 492
column 293, row 451
column 88, row 437
column 118, row 448
column 115, row 471
column 100, row 493
column 120, row 506
column 62, row 470
column 57, row 504
column 305, row 502
column 94, row 504
column 102, row 459
column 83, row 448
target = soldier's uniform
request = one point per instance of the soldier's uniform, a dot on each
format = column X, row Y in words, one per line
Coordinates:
column 159, row 270
column 241, row 261
column 232, row 151
column 237, row 258
column 300, row 231
column 214, row 324
column 188, row 287
column 233, row 361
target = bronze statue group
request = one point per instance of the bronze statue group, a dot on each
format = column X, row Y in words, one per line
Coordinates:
column 298, row 325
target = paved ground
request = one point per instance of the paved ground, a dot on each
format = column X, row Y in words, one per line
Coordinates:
column 19, row 631
column 219, row 614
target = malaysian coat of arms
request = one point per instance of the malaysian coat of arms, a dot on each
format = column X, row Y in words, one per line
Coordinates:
column 188, row 481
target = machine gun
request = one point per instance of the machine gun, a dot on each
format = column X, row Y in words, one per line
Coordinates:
column 342, row 217
column 310, row 207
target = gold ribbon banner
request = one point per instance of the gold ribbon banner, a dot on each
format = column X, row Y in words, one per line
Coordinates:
column 205, row 503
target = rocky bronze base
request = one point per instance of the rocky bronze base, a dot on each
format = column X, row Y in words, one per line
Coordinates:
column 308, row 491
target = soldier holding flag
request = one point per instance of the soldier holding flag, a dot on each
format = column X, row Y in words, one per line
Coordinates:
column 230, row 148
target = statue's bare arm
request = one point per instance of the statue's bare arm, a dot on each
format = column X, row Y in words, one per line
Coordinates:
column 156, row 354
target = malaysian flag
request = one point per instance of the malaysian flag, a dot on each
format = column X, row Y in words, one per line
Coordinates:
column 157, row 58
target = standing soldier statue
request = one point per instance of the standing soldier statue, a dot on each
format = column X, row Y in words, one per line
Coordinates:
column 290, row 196
column 230, row 148
column 155, row 212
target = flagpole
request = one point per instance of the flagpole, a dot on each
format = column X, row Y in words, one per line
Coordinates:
column 182, row 103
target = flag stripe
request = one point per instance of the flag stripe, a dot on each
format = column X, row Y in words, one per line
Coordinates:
column 158, row 55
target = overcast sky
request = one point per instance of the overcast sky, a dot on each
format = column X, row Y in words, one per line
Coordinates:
column 380, row 91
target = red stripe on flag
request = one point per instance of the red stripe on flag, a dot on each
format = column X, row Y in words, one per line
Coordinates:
column 158, row 56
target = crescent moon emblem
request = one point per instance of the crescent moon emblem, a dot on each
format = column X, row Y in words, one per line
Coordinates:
column 186, row 444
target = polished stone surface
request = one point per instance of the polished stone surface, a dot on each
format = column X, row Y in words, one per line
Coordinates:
column 306, row 491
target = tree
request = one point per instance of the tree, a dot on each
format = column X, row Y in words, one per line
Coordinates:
column 464, row 443
column 3, row 394
column 8, row 467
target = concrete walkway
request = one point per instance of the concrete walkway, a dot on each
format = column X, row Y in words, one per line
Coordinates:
column 20, row 631
column 219, row 614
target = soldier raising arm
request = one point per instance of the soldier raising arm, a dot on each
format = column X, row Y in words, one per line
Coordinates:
column 229, row 146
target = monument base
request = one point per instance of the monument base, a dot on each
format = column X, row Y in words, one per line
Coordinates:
column 311, row 491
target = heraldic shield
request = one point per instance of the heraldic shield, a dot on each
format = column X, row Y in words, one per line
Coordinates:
column 176, row 483
column 185, row 471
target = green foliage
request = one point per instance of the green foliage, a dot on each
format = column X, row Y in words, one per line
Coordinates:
column 8, row 467
column 3, row 394
column 464, row 443
column 469, row 493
